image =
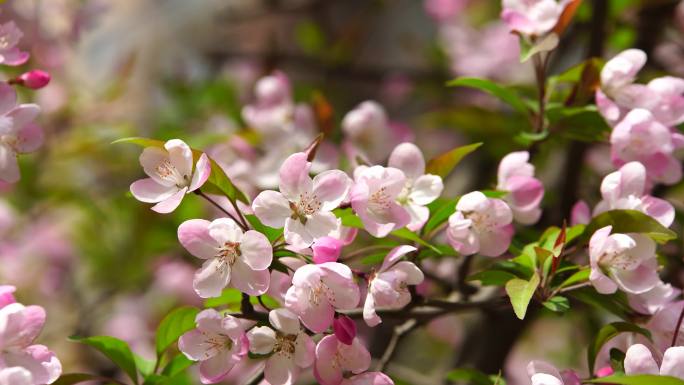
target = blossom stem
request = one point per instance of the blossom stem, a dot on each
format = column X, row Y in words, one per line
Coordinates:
column 399, row 332
column 675, row 334
column 218, row 206
column 540, row 73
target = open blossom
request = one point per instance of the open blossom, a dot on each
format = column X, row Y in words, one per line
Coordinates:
column 542, row 373
column 525, row 192
column 388, row 287
column 663, row 325
column 640, row 137
column 625, row 189
column 420, row 188
column 368, row 378
column 218, row 342
column 532, row 17
column 18, row 133
column 624, row 261
column 303, row 206
column 22, row 362
column 480, row 225
column 333, row 358
column 374, row 199
column 292, row 348
column 232, row 257
column 273, row 108
column 10, row 54
column 317, row 290
column 655, row 299
column 639, row 360
column 170, row 175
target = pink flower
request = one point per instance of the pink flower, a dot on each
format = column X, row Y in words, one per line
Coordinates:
column 10, row 54
column 20, row 361
column 317, row 290
column 480, row 225
column 420, row 189
column 669, row 108
column 218, row 343
column 374, row 198
column 525, row 192
column 624, row 261
column 443, row 10
column 531, row 17
column 663, row 324
column 34, row 79
column 273, row 110
column 344, row 329
column 655, row 299
column 303, row 206
column 18, row 133
column 326, row 249
column 333, row 358
column 581, row 214
column 388, row 287
column 625, row 190
column 640, row 137
column 232, row 257
column 292, row 348
column 6, row 295
column 639, row 360
column 542, row 373
column 170, row 175
column 368, row 378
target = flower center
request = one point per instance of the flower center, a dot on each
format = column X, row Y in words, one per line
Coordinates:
column 228, row 254
column 168, row 171
column 216, row 343
column 481, row 222
column 618, row 260
column 318, row 292
column 285, row 343
column 307, row 204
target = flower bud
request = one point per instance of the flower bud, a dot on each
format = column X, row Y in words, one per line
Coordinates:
column 345, row 329
column 34, row 79
column 326, row 249
column 604, row 371
column 6, row 296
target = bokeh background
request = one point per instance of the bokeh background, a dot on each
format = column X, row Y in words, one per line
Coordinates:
column 73, row 240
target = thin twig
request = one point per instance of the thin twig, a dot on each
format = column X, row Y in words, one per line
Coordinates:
column 218, row 206
column 679, row 325
column 399, row 332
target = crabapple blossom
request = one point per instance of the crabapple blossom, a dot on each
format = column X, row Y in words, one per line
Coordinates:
column 663, row 325
column 480, row 225
column 292, row 348
column 21, row 362
column 618, row 93
column 218, row 342
column 368, row 378
column 542, row 373
column 669, row 92
column 326, row 249
column 388, row 287
column 232, row 257
column 344, row 329
column 624, row 261
column 532, row 17
column 640, row 137
column 374, row 198
column 273, row 107
column 171, row 175
column 303, row 206
column 10, row 54
column 333, row 358
column 18, row 133
column 625, row 189
column 580, row 214
column 6, row 295
column 420, row 188
column 655, row 299
column 639, row 360
column 525, row 192
column 317, row 290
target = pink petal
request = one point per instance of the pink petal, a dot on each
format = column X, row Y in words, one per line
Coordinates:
column 271, row 208
column 257, row 251
column 369, row 378
column 369, row 315
column 639, row 360
column 325, row 368
column 640, row 280
column 408, row 158
column 284, row 320
column 211, row 278
column 660, row 209
column 15, row 376
column 340, row 280
column 20, row 325
column 496, row 242
column 608, row 109
column 525, row 192
column 598, row 240
column 331, row 188
column 37, row 360
column 9, row 168
column 395, row 255
column 296, row 234
column 14, row 57
column 412, row 275
column 673, row 362
column 6, row 296
column 326, row 249
column 419, row 216
column 8, row 98
column 225, row 230
column 317, row 317
column 345, row 329
column 294, row 176
column 322, row 224
column 249, row 281
column 180, row 156
column 194, row 236
column 514, row 164
column 280, row 369
column 581, row 214
column 23, row 114
column 217, row 368
column 601, row 282
column 304, row 350
column 171, row 203
column 354, row 357
column 426, row 188
column 632, row 179
column 202, row 172
column 149, row 191
column 30, row 138
column 473, row 201
column 621, row 69
column 261, row 339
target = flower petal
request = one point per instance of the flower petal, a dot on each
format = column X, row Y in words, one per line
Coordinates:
column 171, row 203
column 284, row 320
column 257, row 251
column 248, row 280
column 262, row 339
column 180, row 156
column 408, row 158
column 331, row 188
column 426, row 189
column 211, row 278
column 639, row 360
column 294, row 177
column 194, row 235
column 201, row 174
column 271, row 208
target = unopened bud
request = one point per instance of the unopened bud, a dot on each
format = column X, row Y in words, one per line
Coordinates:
column 34, row 79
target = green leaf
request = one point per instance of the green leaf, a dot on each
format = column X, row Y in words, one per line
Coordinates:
column 471, row 376
column 617, row 360
column 439, row 214
column 577, row 277
column 443, row 164
column 75, row 378
column 520, row 292
column 229, row 297
column 506, row 95
column 178, row 364
column 640, row 379
column 116, row 350
column 528, row 50
column 145, row 366
column 613, row 303
column 374, row 259
column 558, row 304
column 349, row 218
column 176, row 323
column 217, row 183
column 630, row 221
column 607, row 333
column 411, row 236
column 492, row 277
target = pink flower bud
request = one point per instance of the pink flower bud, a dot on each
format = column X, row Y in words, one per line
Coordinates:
column 326, row 249
column 345, row 329
column 34, row 79
column 6, row 296
column 604, row 371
